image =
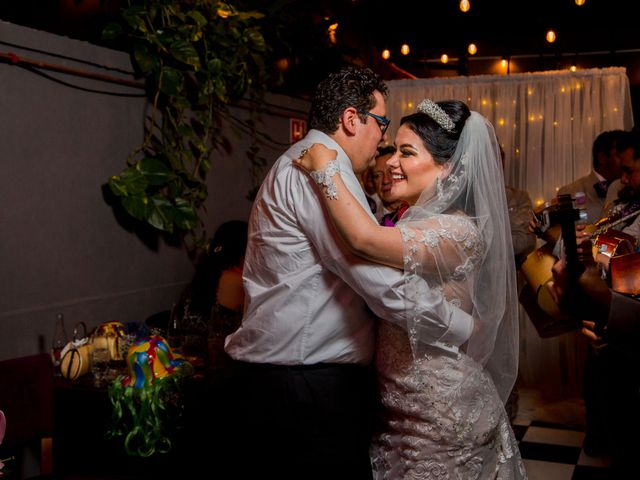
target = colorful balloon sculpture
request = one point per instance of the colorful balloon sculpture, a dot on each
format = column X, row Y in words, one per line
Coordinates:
column 147, row 403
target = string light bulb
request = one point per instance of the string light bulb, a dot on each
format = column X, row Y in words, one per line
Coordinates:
column 465, row 5
column 282, row 64
column 472, row 49
column 444, row 58
column 580, row 2
column 386, row 54
column 405, row 49
column 551, row 36
column 331, row 31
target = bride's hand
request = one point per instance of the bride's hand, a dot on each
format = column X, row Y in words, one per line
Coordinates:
column 316, row 157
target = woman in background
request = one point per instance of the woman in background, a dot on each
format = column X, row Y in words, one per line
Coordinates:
column 216, row 294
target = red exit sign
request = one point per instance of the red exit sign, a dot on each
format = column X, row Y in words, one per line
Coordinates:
column 297, row 129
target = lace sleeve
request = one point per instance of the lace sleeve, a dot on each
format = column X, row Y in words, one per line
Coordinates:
column 441, row 254
column 445, row 247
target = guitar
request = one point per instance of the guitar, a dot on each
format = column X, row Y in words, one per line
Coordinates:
column 608, row 245
column 609, row 242
column 624, row 272
column 546, row 315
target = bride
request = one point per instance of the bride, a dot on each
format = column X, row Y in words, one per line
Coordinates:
column 443, row 408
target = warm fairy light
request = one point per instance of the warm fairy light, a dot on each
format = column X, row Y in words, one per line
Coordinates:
column 386, row 54
column 580, row 2
column 444, row 58
column 332, row 32
column 404, row 49
column 551, row 36
column 504, row 63
column 282, row 64
column 501, row 122
column 465, row 5
column 472, row 49
column 573, row 68
column 410, row 104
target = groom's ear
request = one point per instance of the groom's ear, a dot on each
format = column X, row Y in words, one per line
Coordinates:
column 349, row 120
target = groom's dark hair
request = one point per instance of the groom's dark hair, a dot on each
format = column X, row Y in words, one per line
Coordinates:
column 349, row 87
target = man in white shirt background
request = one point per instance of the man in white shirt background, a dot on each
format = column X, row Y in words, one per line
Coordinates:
column 306, row 390
column 628, row 197
column 606, row 152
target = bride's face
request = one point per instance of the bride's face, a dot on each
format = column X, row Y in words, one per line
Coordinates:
column 412, row 167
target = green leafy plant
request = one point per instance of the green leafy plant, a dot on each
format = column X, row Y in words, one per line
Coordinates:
column 196, row 57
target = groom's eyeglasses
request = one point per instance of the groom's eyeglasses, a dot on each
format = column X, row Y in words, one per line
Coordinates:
column 383, row 122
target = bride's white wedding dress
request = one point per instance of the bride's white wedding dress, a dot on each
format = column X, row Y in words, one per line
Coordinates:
column 442, row 415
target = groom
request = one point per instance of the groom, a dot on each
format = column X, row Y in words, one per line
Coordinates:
column 303, row 353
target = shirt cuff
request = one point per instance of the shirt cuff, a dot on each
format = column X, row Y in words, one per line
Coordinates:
column 460, row 329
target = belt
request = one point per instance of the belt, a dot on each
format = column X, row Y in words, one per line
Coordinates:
column 272, row 367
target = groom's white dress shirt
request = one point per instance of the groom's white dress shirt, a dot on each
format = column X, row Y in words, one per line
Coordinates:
column 306, row 292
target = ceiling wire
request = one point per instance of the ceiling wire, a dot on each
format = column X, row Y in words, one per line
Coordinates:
column 66, row 57
column 36, row 66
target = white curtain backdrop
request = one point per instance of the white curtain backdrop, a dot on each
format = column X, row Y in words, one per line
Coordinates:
column 546, row 123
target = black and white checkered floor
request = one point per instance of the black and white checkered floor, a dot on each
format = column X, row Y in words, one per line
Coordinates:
column 551, row 437
column 552, row 452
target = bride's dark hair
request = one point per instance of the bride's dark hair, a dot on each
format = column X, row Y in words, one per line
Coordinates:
column 440, row 143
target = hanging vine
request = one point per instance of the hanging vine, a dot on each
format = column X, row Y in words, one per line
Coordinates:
column 196, row 56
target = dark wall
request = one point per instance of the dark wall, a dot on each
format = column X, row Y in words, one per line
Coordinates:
column 62, row 249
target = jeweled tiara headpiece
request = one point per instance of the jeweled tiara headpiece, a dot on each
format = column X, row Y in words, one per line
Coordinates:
column 432, row 109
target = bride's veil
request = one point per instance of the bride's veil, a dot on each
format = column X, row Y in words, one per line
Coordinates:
column 471, row 187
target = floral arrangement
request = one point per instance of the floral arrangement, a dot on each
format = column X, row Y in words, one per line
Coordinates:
column 147, row 403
